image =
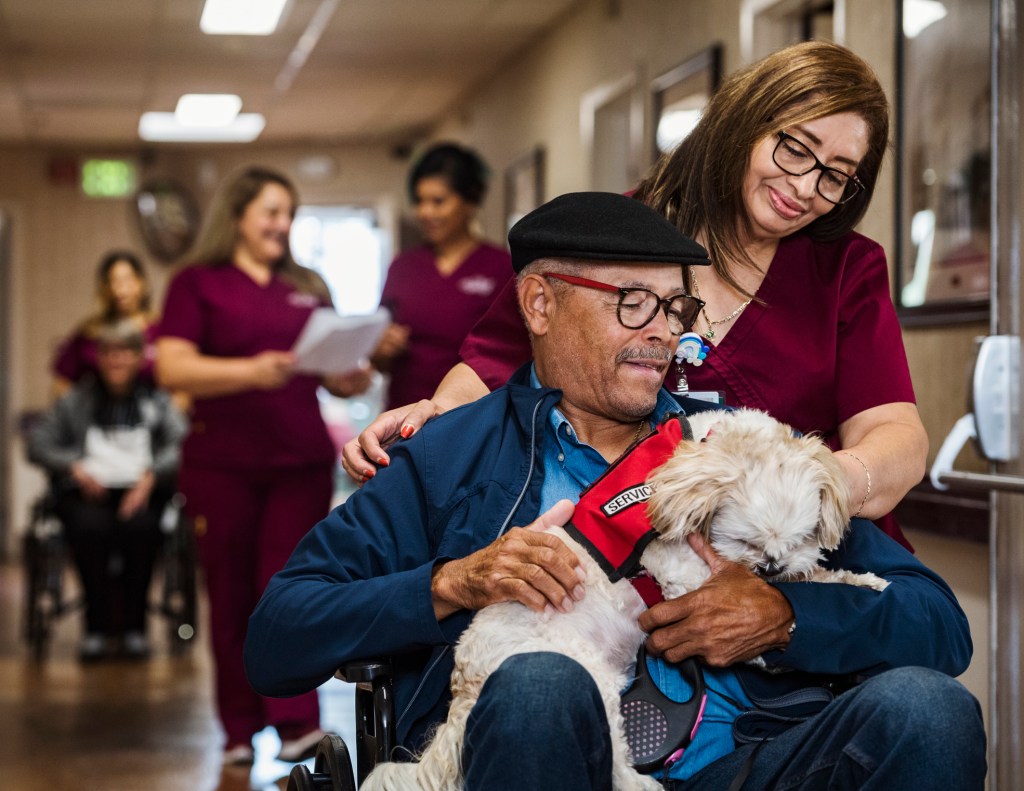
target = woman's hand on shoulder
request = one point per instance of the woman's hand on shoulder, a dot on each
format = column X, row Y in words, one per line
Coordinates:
column 362, row 455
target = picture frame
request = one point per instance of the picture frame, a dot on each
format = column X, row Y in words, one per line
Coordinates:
column 943, row 201
column 678, row 97
column 524, row 185
column 612, row 132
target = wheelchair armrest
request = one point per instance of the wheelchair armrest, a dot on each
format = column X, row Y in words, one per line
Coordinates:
column 374, row 709
column 364, row 670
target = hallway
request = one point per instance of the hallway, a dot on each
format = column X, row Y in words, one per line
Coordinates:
column 119, row 725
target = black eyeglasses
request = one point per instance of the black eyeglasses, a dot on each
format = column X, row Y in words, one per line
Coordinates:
column 795, row 158
column 638, row 306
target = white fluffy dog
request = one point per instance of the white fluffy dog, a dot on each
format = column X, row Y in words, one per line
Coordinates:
column 761, row 496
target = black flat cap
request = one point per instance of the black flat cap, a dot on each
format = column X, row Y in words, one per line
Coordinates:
column 600, row 226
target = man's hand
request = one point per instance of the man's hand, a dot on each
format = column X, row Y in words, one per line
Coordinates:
column 732, row 617
column 526, row 564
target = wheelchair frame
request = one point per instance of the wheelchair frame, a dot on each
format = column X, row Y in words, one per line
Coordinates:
column 375, row 733
column 45, row 557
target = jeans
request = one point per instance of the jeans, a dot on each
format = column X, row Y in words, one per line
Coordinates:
column 540, row 724
column 909, row 728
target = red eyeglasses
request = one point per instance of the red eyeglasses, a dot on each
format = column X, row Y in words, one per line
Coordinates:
column 638, row 306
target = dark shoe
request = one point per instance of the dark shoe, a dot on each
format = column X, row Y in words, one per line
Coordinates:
column 136, row 646
column 92, row 648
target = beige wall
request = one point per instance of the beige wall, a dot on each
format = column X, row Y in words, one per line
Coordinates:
column 533, row 100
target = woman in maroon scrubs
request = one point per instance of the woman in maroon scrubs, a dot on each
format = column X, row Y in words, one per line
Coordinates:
column 122, row 291
column 257, row 465
column 798, row 317
column 437, row 291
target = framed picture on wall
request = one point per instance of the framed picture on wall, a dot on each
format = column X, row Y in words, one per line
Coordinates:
column 678, row 97
column 943, row 139
column 524, row 186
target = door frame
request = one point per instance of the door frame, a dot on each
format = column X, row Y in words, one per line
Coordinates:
column 1006, row 536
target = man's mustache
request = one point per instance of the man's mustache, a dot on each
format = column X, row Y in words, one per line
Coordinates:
column 654, row 354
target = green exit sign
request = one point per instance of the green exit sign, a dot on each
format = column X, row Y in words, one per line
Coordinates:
column 108, row 178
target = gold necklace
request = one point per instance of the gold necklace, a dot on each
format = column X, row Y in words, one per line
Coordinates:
column 639, row 428
column 710, row 332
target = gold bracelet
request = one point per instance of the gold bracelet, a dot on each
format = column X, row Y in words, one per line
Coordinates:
column 867, row 472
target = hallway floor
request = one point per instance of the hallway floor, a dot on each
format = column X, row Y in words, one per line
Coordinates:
column 120, row 725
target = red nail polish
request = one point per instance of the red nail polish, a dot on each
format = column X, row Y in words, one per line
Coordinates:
column 407, row 431
column 382, row 462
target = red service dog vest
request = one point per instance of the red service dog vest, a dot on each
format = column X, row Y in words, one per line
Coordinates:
column 610, row 520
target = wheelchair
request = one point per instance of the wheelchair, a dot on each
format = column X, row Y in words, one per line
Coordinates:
column 375, row 733
column 650, row 715
column 45, row 557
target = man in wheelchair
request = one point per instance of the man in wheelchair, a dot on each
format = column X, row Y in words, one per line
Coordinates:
column 111, row 446
column 400, row 568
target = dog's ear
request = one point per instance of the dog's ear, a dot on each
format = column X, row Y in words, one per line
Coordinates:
column 688, row 489
column 835, row 498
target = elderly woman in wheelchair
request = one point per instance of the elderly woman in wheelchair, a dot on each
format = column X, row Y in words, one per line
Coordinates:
column 111, row 448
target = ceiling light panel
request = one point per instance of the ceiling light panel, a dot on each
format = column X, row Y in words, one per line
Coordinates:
column 165, row 128
column 207, row 109
column 241, row 17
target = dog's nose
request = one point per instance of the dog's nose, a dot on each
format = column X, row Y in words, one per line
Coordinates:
column 769, row 567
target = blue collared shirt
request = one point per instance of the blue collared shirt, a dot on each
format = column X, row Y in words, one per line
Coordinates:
column 569, row 467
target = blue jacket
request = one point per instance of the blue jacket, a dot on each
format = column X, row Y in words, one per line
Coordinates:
column 358, row 584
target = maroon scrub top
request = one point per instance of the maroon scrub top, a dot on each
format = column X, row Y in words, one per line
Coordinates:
column 76, row 357
column 228, row 314
column 824, row 346
column 439, row 310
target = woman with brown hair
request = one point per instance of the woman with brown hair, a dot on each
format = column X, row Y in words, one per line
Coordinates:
column 257, row 465
column 798, row 316
column 122, row 292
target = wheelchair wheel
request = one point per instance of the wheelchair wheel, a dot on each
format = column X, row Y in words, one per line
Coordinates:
column 36, row 624
column 333, row 760
column 44, row 557
column 301, row 779
column 179, row 600
column 332, row 769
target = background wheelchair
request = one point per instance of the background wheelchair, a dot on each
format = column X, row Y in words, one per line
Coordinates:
column 375, row 733
column 45, row 558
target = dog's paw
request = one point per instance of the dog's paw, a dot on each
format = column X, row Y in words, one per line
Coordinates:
column 866, row 580
column 873, row 581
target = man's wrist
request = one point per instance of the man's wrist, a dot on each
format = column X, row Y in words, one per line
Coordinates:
column 441, row 590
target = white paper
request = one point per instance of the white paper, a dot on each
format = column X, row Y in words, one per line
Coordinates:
column 333, row 344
